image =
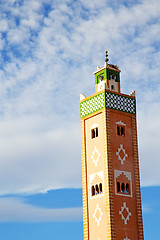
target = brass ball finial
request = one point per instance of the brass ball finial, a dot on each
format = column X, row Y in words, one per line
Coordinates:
column 106, row 59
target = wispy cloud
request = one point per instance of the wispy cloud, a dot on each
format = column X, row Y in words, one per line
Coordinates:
column 13, row 209
column 49, row 50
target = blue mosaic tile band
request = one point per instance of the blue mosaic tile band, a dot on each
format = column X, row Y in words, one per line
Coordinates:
column 108, row 100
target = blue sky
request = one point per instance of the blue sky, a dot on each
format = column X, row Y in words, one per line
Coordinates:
column 49, row 50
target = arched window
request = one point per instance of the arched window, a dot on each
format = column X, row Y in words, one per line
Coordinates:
column 113, row 77
column 94, row 132
column 122, row 188
column 112, row 87
column 118, row 187
column 93, row 191
column 100, row 77
column 127, row 188
column 118, row 130
column 122, row 131
column 97, row 189
column 100, row 187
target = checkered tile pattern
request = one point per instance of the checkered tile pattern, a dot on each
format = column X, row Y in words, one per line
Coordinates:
column 121, row 103
column 93, row 104
column 108, row 100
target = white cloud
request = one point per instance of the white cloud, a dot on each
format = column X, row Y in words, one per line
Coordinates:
column 13, row 209
column 3, row 25
column 50, row 62
column 39, row 154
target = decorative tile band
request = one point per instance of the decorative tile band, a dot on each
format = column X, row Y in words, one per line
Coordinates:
column 108, row 100
column 121, row 103
column 92, row 105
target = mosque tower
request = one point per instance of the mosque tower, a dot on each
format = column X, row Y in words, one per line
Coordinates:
column 110, row 166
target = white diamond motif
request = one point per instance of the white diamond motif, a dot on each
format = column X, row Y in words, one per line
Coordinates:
column 122, row 159
column 99, row 217
column 128, row 213
column 95, row 156
column 126, row 238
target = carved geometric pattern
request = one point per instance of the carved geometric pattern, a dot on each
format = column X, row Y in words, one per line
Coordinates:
column 92, row 105
column 121, row 103
column 98, row 215
column 121, row 154
column 118, row 173
column 94, row 179
column 108, row 100
column 95, row 156
column 125, row 213
column 121, row 123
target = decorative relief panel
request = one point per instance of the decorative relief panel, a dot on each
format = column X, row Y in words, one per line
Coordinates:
column 96, row 185
column 123, row 179
column 95, row 156
column 98, row 215
column 125, row 213
column 121, row 153
column 120, row 123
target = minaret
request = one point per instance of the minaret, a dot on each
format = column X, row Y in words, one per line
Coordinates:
column 110, row 166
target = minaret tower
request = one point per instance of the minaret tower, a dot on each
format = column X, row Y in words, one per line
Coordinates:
column 110, row 166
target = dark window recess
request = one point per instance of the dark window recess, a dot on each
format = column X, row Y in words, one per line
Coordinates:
column 127, row 188
column 118, row 187
column 97, row 189
column 100, row 187
column 123, row 188
column 94, row 132
column 113, row 77
column 97, row 132
column 93, row 191
column 120, row 131
column 100, row 77
column 112, row 87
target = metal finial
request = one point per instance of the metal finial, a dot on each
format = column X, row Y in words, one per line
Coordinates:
column 106, row 59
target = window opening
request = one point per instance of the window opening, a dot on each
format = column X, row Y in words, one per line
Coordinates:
column 100, row 187
column 127, row 188
column 94, row 132
column 122, row 188
column 113, row 77
column 97, row 189
column 93, row 191
column 97, row 132
column 118, row 187
column 112, row 87
column 122, row 131
column 118, row 130
column 100, row 77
